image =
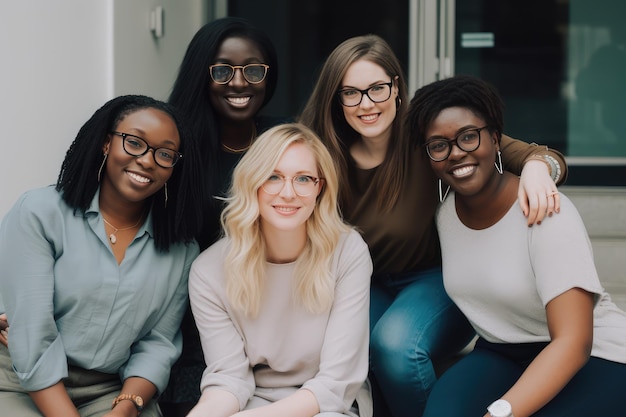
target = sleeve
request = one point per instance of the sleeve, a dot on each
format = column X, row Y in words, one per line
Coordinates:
column 228, row 367
column 153, row 356
column 27, row 259
column 344, row 356
column 562, row 256
column 515, row 153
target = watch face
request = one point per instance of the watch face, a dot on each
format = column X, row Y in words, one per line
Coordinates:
column 500, row 408
column 139, row 401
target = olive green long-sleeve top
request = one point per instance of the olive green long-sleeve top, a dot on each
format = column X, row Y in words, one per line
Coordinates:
column 405, row 238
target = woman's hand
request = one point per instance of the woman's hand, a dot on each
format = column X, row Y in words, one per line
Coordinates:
column 570, row 322
column 122, row 410
column 537, row 194
column 4, row 330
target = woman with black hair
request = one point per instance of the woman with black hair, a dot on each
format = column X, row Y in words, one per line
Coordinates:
column 551, row 341
column 95, row 268
column 229, row 73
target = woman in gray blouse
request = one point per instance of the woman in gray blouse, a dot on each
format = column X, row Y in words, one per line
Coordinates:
column 94, row 269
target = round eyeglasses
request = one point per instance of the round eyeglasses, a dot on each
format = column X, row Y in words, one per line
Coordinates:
column 303, row 185
column 136, row 146
column 252, row 73
column 468, row 141
column 351, row 97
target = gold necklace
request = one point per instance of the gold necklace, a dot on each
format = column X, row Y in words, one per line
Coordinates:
column 233, row 150
column 112, row 237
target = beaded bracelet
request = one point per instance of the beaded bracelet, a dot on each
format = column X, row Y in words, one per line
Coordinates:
column 553, row 165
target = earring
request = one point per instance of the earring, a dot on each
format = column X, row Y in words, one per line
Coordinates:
column 498, row 163
column 398, row 103
column 102, row 166
column 442, row 195
column 165, row 189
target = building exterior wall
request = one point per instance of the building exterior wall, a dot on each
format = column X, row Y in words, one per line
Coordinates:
column 63, row 59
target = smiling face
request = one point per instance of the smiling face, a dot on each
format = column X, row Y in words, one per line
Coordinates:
column 369, row 119
column 130, row 179
column 468, row 173
column 287, row 211
column 238, row 100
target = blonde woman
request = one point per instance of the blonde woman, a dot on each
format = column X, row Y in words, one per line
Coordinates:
column 281, row 302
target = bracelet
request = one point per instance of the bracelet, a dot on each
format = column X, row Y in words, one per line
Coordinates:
column 136, row 400
column 553, row 165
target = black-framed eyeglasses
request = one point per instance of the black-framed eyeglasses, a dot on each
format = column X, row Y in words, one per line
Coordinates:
column 303, row 185
column 468, row 141
column 253, row 73
column 351, row 97
column 136, row 146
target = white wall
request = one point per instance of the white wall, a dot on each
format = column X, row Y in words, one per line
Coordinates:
column 61, row 60
column 54, row 74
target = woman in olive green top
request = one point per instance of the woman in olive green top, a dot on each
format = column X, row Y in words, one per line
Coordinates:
column 390, row 194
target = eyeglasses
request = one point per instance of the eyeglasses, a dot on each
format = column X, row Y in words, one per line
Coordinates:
column 253, row 73
column 468, row 141
column 351, row 97
column 136, row 146
column 303, row 185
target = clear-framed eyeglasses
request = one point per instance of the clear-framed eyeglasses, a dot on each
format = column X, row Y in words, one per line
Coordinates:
column 351, row 97
column 136, row 146
column 439, row 149
column 252, row 73
column 303, row 185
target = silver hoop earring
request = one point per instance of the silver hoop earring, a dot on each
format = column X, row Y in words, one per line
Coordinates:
column 165, row 189
column 442, row 194
column 102, row 166
column 498, row 163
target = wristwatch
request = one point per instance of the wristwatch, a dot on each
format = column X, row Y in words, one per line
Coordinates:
column 136, row 399
column 500, row 408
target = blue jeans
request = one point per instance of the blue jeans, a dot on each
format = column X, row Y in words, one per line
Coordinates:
column 483, row 376
column 412, row 323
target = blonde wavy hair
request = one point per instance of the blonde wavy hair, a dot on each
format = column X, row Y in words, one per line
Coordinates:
column 245, row 263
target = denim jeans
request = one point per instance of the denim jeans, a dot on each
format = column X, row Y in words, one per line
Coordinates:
column 483, row 376
column 412, row 323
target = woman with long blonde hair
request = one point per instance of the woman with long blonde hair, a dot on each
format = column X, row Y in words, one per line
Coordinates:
column 282, row 301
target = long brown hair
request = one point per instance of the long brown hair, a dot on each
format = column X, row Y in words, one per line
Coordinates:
column 323, row 113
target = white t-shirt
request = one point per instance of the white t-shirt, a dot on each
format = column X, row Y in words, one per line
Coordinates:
column 502, row 277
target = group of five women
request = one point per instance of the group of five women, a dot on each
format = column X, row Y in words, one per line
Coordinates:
column 320, row 264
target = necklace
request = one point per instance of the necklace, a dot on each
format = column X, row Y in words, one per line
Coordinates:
column 245, row 148
column 112, row 237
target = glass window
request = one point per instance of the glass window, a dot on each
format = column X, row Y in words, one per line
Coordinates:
column 560, row 67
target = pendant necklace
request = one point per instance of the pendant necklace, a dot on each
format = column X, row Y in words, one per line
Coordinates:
column 245, row 148
column 112, row 237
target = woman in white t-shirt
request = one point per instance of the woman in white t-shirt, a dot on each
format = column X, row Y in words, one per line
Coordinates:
column 551, row 341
